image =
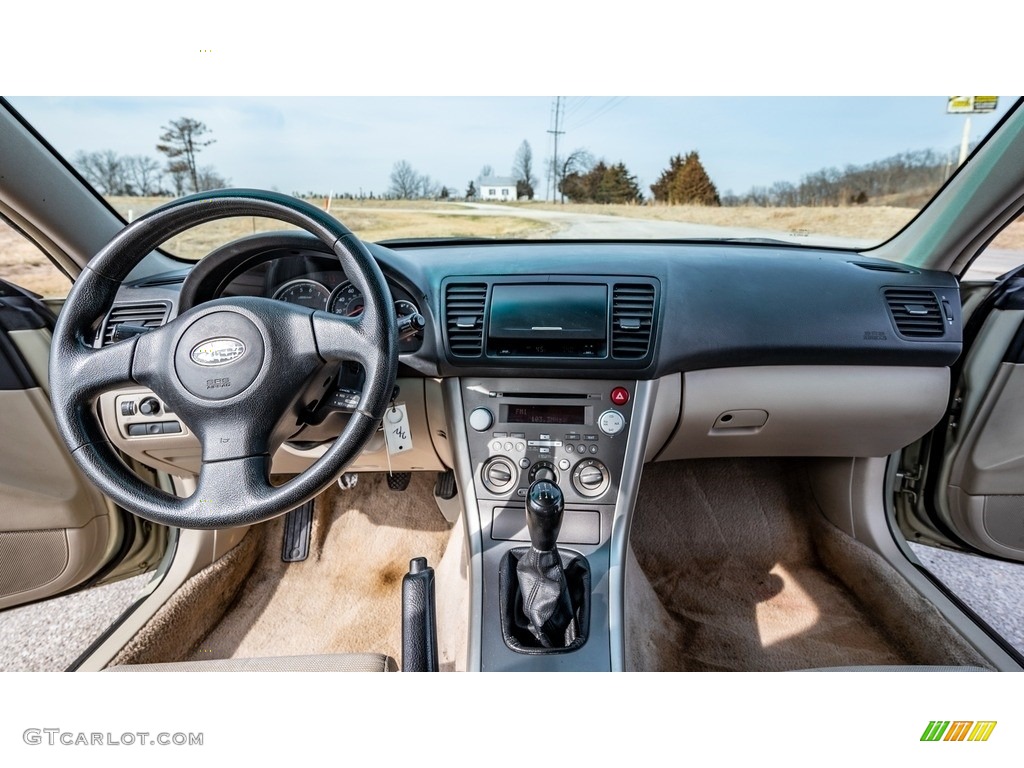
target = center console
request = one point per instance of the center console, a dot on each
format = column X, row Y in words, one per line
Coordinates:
column 573, row 433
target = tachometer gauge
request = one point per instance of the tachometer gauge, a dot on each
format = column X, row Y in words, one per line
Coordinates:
column 305, row 293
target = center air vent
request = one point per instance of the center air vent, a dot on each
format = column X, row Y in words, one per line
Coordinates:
column 916, row 313
column 151, row 315
column 632, row 319
column 464, row 309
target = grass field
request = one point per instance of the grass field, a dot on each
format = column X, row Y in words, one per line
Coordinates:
column 376, row 220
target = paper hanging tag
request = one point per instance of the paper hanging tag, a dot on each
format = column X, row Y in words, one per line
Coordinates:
column 397, row 434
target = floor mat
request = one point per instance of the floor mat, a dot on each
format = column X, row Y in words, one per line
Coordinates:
column 727, row 549
column 347, row 596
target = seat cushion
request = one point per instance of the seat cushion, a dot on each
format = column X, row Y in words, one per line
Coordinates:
column 340, row 662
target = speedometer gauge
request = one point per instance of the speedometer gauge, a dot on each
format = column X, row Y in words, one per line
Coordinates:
column 305, row 293
column 346, row 300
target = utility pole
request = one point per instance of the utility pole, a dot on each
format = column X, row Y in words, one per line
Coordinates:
column 559, row 106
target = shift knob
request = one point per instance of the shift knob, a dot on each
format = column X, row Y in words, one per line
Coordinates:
column 544, row 506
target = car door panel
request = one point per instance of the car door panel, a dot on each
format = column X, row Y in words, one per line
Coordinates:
column 985, row 489
column 56, row 529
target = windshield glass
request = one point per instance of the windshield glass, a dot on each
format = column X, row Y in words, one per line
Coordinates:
column 839, row 171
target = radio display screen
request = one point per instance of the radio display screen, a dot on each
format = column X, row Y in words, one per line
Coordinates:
column 546, row 414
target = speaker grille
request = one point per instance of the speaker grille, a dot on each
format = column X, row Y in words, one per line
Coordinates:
column 30, row 559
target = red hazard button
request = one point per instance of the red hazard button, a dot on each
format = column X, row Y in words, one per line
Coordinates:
column 620, row 395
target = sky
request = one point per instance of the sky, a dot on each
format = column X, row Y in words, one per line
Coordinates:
column 754, row 87
column 350, row 143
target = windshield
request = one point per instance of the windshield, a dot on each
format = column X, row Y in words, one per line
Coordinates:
column 848, row 172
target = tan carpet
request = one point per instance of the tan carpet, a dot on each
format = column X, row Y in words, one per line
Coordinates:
column 727, row 548
column 346, row 598
column 193, row 610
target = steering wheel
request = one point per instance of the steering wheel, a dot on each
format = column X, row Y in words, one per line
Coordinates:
column 233, row 369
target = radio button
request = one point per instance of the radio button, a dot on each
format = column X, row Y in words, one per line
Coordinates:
column 593, row 449
column 563, row 464
column 524, row 462
column 520, row 447
column 481, row 419
column 611, row 422
column 508, row 447
column 496, row 445
column 569, row 447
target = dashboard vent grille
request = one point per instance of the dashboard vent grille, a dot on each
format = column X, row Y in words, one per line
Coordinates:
column 632, row 320
column 916, row 313
column 875, row 266
column 151, row 315
column 464, row 309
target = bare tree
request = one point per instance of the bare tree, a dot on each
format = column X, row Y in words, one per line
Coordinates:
column 181, row 141
column 209, row 179
column 144, row 174
column 405, row 182
column 104, row 170
column 578, row 161
column 522, row 170
column 179, row 178
column 428, row 187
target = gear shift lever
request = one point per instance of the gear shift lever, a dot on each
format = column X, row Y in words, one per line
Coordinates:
column 544, row 506
column 546, row 602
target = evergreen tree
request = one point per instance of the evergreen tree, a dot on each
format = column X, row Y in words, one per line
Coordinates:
column 685, row 182
column 602, row 184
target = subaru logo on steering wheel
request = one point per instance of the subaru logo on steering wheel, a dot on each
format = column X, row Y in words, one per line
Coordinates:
column 218, row 351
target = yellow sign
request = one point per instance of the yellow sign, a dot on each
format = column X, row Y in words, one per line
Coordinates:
column 971, row 105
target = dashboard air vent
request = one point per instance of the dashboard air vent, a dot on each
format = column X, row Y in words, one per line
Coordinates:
column 916, row 313
column 632, row 319
column 149, row 315
column 464, row 310
column 875, row 266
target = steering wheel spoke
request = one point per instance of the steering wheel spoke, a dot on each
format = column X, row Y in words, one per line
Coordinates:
column 92, row 371
column 230, row 492
column 342, row 338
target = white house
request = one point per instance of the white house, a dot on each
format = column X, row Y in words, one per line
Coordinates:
column 496, row 188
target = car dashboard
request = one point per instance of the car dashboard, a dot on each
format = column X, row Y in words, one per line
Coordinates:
column 579, row 362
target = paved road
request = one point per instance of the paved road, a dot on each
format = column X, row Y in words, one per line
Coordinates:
column 592, row 226
column 48, row 636
column 994, row 589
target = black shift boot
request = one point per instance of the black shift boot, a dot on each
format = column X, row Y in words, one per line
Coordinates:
column 544, row 593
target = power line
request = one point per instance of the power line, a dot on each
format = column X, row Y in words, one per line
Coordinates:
column 601, row 111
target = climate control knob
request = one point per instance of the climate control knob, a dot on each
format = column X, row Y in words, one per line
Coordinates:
column 590, row 478
column 543, row 470
column 499, row 474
